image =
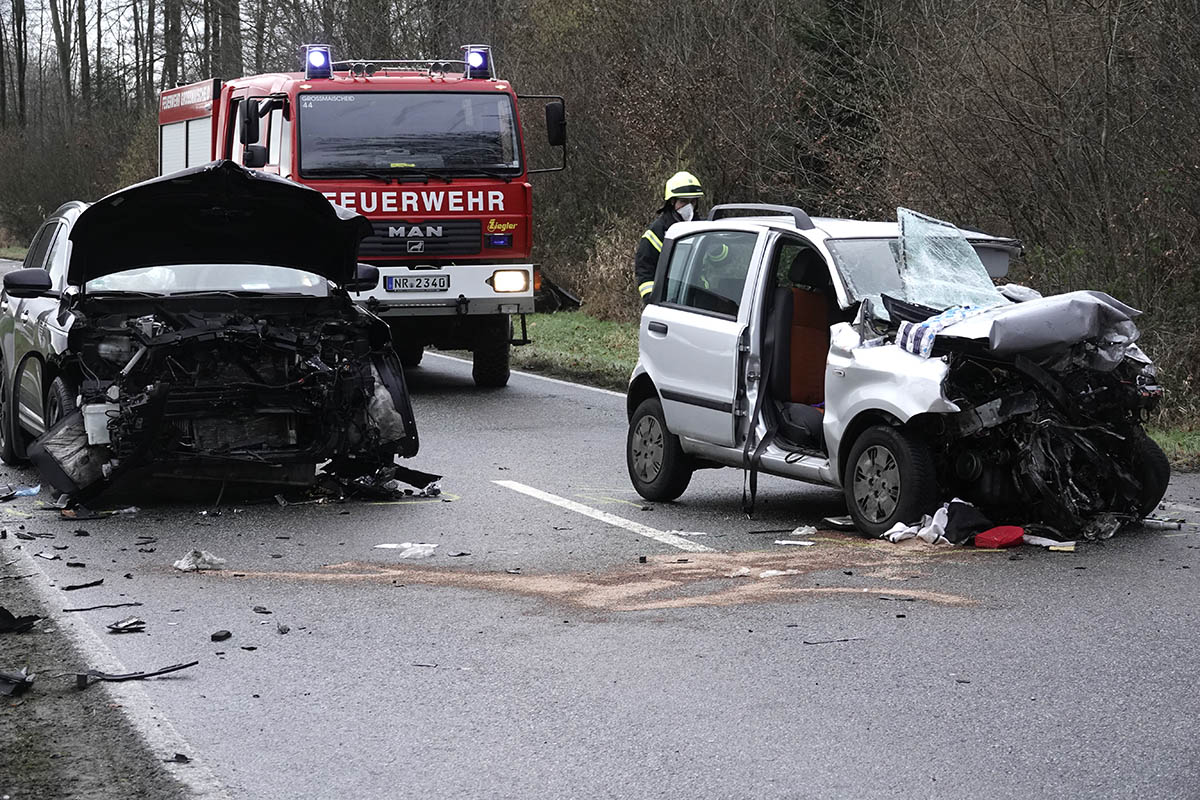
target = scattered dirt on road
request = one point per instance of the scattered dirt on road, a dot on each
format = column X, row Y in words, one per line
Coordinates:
column 685, row 581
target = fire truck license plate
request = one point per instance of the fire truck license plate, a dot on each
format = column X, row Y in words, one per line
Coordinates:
column 417, row 283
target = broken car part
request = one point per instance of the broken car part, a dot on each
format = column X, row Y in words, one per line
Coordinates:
column 10, row 623
column 85, row 679
column 15, row 683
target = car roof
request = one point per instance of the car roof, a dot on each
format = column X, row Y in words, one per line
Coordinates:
column 831, row 227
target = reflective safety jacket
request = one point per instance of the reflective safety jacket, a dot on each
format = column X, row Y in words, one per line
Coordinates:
column 645, row 259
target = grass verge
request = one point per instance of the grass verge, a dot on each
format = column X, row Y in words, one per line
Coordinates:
column 574, row 346
column 15, row 253
column 1181, row 446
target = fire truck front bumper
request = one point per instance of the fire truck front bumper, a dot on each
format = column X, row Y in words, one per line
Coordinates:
column 451, row 290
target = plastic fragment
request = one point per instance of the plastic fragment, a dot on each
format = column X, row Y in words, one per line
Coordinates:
column 85, row 679
column 10, row 623
column 804, row 531
column 775, row 573
column 1062, row 548
column 411, row 550
column 220, row 636
column 128, row 625
column 83, row 585
column 798, row 542
column 261, row 610
column 743, row 572
column 15, row 683
column 198, row 560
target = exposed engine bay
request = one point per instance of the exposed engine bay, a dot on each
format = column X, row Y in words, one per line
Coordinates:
column 1052, row 437
column 225, row 388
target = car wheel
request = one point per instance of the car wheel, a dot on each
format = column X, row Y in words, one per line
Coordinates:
column 491, row 355
column 889, row 478
column 60, row 401
column 8, row 450
column 1152, row 469
column 410, row 355
column 658, row 467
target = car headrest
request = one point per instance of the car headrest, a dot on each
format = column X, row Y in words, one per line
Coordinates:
column 808, row 269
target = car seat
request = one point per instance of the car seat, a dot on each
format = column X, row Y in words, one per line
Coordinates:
column 800, row 321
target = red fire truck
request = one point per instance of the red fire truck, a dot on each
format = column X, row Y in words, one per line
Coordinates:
column 431, row 151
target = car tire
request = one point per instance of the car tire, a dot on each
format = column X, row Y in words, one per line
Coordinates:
column 410, row 355
column 60, row 401
column 8, row 432
column 1153, row 469
column 658, row 467
column 889, row 478
column 491, row 355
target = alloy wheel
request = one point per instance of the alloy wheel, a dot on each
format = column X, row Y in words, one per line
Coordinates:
column 647, row 448
column 876, row 483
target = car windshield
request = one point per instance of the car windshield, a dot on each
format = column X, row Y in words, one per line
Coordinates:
column 450, row 132
column 931, row 264
column 200, row 278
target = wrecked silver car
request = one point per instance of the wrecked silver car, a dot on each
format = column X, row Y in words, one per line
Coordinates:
column 198, row 326
column 881, row 358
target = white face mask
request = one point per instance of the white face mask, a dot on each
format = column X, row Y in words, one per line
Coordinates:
column 686, row 212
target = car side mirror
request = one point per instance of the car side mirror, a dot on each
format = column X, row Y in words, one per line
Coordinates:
column 254, row 156
column 556, row 124
column 365, row 279
column 27, row 282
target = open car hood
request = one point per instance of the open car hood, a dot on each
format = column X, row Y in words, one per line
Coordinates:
column 218, row 213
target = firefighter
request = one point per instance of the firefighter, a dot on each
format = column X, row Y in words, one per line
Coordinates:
column 681, row 189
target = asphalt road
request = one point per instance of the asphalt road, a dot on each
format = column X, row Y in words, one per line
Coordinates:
column 551, row 662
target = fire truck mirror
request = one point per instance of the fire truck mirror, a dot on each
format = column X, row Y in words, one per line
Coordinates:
column 556, row 124
column 254, row 156
column 249, row 129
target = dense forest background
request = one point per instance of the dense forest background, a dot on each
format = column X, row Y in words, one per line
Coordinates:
column 1074, row 126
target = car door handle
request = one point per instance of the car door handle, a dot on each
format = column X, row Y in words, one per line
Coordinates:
column 657, row 327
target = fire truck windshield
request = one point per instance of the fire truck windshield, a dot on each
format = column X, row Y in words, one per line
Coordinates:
column 455, row 133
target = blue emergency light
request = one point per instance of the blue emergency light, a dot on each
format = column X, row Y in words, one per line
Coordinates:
column 317, row 63
column 479, row 61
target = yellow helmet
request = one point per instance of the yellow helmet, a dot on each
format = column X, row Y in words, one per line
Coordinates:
column 683, row 184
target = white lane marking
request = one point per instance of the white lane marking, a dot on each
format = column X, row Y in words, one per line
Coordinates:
column 1181, row 507
column 148, row 722
column 537, row 377
column 609, row 519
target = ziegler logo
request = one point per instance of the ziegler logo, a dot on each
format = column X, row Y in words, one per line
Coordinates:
column 500, row 227
column 415, row 232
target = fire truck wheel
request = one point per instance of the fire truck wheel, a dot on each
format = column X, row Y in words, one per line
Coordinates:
column 410, row 355
column 490, row 362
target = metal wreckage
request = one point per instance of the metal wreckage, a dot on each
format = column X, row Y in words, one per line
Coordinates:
column 212, row 339
column 1049, row 394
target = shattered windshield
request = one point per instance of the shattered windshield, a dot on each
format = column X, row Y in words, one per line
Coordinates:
column 200, row 278
column 931, row 264
column 451, row 132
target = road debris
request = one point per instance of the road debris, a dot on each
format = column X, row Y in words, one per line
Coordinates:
column 282, row 629
column 28, row 491
column 85, row 679
column 107, row 605
column 797, row 542
column 459, row 554
column 48, row 556
column 775, row 573
column 220, row 636
column 411, row 550
column 835, row 641
column 198, row 560
column 249, row 647
column 178, row 758
column 1042, row 541
column 1157, row 524
column 76, row 564
column 83, row 585
column 261, row 610
column 16, row 683
column 82, row 512
column 128, row 625
column 10, row 623
column 839, row 523
column 1000, row 536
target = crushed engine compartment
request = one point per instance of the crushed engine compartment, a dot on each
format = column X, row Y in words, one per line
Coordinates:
column 1058, row 442
column 251, row 390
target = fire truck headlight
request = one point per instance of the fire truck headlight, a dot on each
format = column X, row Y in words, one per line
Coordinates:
column 316, row 62
column 509, row 280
